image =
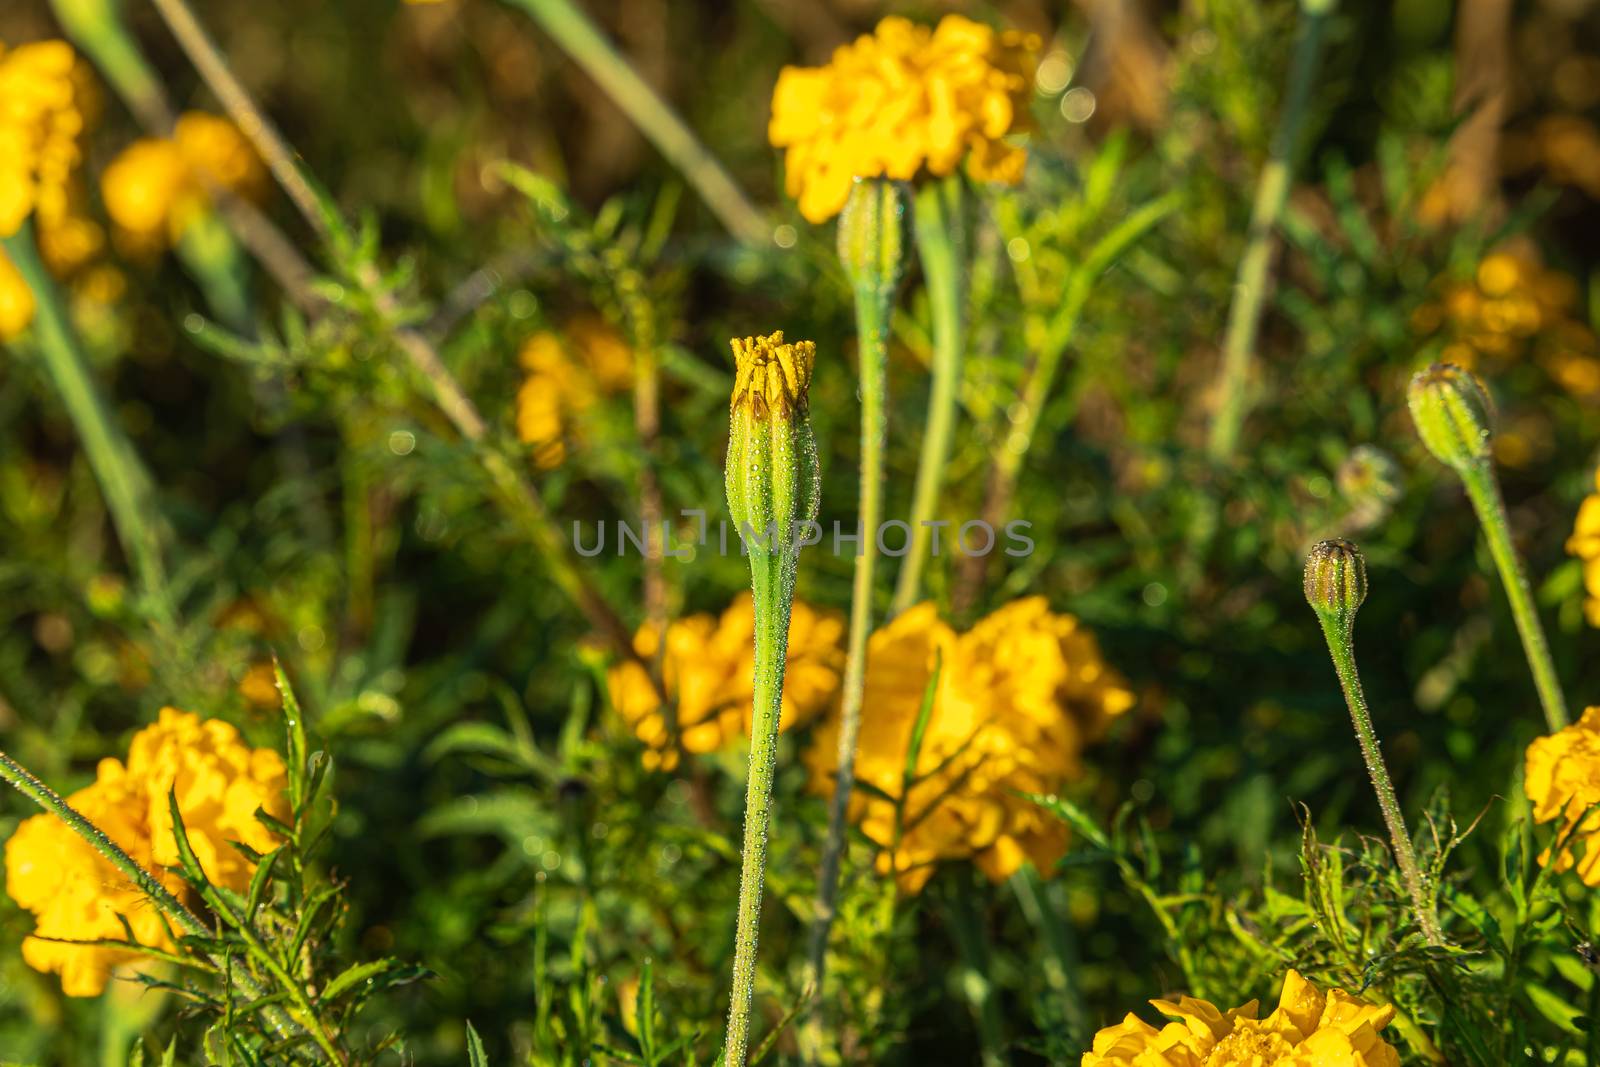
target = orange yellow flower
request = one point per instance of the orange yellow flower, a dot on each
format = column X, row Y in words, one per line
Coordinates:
column 1308, row 1029
column 1016, row 699
column 708, row 667
column 902, row 101
column 40, row 127
column 1585, row 544
column 16, row 301
column 156, row 188
column 76, row 895
column 1562, row 780
column 566, row 374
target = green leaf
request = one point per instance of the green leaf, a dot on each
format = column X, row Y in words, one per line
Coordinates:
column 1075, row 817
column 189, row 863
column 354, row 976
column 476, row 1057
column 645, row 1005
column 295, row 728
column 258, row 884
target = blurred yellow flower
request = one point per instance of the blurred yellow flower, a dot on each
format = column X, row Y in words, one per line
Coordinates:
column 1017, row 697
column 40, row 127
column 16, row 301
column 75, row 894
column 1562, row 781
column 155, row 188
column 1585, row 544
column 566, row 374
column 708, row 666
column 1308, row 1029
column 901, row 101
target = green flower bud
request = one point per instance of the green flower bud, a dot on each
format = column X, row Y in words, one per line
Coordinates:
column 872, row 237
column 772, row 476
column 1453, row 413
column 1336, row 579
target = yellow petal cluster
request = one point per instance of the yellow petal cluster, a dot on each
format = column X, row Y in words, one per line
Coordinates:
column 75, row 894
column 1585, row 544
column 902, row 101
column 1562, row 780
column 1308, row 1029
column 565, row 375
column 40, row 127
column 157, row 187
column 1016, row 699
column 708, row 664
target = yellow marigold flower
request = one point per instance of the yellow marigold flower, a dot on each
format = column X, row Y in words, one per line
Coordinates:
column 40, row 127
column 1308, row 1029
column 1585, row 544
column 75, row 894
column 901, row 101
column 566, row 375
column 1563, row 781
column 16, row 301
column 709, row 667
column 156, row 187
column 1016, row 699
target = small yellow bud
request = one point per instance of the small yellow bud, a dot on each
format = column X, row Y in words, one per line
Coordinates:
column 1336, row 578
column 872, row 237
column 1453, row 414
column 771, row 377
column 772, row 475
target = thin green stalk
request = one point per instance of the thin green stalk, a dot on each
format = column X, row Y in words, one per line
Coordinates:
column 582, row 40
column 35, row 790
column 1341, row 647
column 772, row 639
column 976, row 985
column 1483, row 489
column 939, row 229
column 1060, row 956
column 1272, row 190
column 96, row 27
column 871, row 246
column 129, row 491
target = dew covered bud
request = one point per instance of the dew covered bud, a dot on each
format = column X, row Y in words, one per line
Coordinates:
column 772, row 475
column 872, row 236
column 1336, row 578
column 1453, row 414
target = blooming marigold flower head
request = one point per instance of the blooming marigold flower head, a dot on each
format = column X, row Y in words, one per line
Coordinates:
column 1308, row 1029
column 709, row 666
column 156, row 188
column 566, row 374
column 1562, row 780
column 902, row 101
column 76, row 895
column 1585, row 544
column 41, row 122
column 1016, row 698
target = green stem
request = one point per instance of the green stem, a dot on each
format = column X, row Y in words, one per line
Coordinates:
column 96, row 27
column 771, row 585
column 582, row 40
column 31, row 787
column 976, row 985
column 1341, row 647
column 873, row 308
column 129, row 491
column 1483, row 488
column 1272, row 190
column 936, row 214
column 1060, row 957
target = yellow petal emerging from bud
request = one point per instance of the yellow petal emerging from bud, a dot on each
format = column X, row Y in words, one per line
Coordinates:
column 1453, row 413
column 772, row 476
column 1336, row 578
column 771, row 377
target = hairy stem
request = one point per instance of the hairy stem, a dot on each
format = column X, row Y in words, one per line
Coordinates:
column 771, row 586
column 1341, row 647
column 936, row 214
column 588, row 47
column 1483, row 488
column 1272, row 190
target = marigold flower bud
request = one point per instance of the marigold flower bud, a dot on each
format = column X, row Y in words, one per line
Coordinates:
column 772, row 475
column 1453, row 413
column 872, row 237
column 1336, row 578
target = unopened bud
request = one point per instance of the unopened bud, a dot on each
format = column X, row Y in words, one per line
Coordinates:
column 1453, row 414
column 872, row 236
column 773, row 481
column 1336, row 579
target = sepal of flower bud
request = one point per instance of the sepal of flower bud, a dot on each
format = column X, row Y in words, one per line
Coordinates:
column 772, row 476
column 1336, row 579
column 1453, row 414
column 872, row 237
